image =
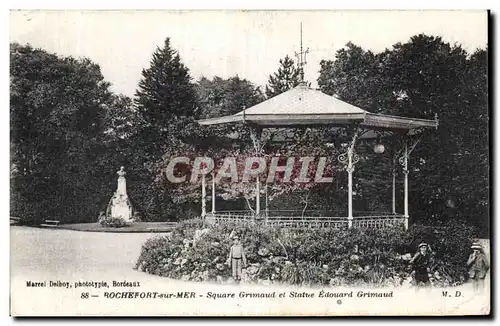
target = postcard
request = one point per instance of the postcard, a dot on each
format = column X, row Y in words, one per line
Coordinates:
column 249, row 163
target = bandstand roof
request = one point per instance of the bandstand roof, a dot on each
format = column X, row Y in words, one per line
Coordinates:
column 304, row 106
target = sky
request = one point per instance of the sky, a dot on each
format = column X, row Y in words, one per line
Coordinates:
column 228, row 43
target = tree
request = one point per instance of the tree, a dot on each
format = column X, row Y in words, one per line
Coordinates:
column 57, row 110
column 165, row 97
column 287, row 77
column 220, row 97
column 121, row 120
column 167, row 108
column 355, row 77
column 434, row 78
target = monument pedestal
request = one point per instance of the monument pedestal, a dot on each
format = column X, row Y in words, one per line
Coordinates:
column 119, row 205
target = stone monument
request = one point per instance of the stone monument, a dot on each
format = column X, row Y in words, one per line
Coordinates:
column 119, row 205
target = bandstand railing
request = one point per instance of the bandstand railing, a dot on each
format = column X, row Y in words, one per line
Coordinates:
column 378, row 221
column 297, row 213
column 287, row 220
column 306, row 222
column 240, row 217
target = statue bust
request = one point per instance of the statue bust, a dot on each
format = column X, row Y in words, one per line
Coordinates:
column 121, row 173
column 122, row 184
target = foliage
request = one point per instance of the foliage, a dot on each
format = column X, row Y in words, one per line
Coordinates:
column 136, row 217
column 375, row 257
column 114, row 222
column 59, row 163
column 450, row 241
column 220, row 97
column 287, row 77
column 165, row 91
column 166, row 107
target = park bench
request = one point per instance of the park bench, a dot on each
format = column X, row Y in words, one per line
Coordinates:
column 15, row 220
column 51, row 223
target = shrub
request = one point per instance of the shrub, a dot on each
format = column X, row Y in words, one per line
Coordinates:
column 114, row 222
column 451, row 244
column 137, row 217
column 376, row 257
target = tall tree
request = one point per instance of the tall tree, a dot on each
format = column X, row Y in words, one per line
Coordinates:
column 166, row 106
column 57, row 110
column 165, row 97
column 287, row 77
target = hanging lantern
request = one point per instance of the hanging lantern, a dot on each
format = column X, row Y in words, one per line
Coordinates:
column 379, row 148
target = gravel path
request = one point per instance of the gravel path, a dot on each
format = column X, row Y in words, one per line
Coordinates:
column 60, row 251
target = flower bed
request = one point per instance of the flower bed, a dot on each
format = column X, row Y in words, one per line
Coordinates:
column 114, row 222
column 355, row 257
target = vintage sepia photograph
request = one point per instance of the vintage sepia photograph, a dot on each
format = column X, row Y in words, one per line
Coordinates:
column 249, row 163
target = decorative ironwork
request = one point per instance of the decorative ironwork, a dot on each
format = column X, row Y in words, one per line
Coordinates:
column 308, row 223
column 409, row 146
column 311, row 222
column 355, row 158
column 403, row 160
column 378, row 222
column 344, row 159
column 350, row 158
column 233, row 218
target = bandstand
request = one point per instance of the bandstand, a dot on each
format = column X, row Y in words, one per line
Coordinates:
column 302, row 107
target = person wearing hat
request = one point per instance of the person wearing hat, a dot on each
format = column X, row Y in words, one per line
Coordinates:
column 237, row 259
column 478, row 267
column 421, row 264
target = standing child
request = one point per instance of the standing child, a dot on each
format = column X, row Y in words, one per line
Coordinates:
column 237, row 259
column 421, row 264
column 478, row 267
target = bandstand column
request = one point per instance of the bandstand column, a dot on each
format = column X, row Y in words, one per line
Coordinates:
column 257, row 197
column 350, row 170
column 267, row 200
column 255, row 134
column 406, row 172
column 404, row 163
column 213, row 193
column 349, row 159
column 394, row 190
column 203, row 196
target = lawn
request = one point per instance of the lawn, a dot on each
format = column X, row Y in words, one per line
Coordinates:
column 138, row 227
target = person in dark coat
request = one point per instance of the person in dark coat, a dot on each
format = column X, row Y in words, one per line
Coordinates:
column 478, row 267
column 421, row 264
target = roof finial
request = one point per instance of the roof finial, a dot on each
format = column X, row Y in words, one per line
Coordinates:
column 301, row 58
